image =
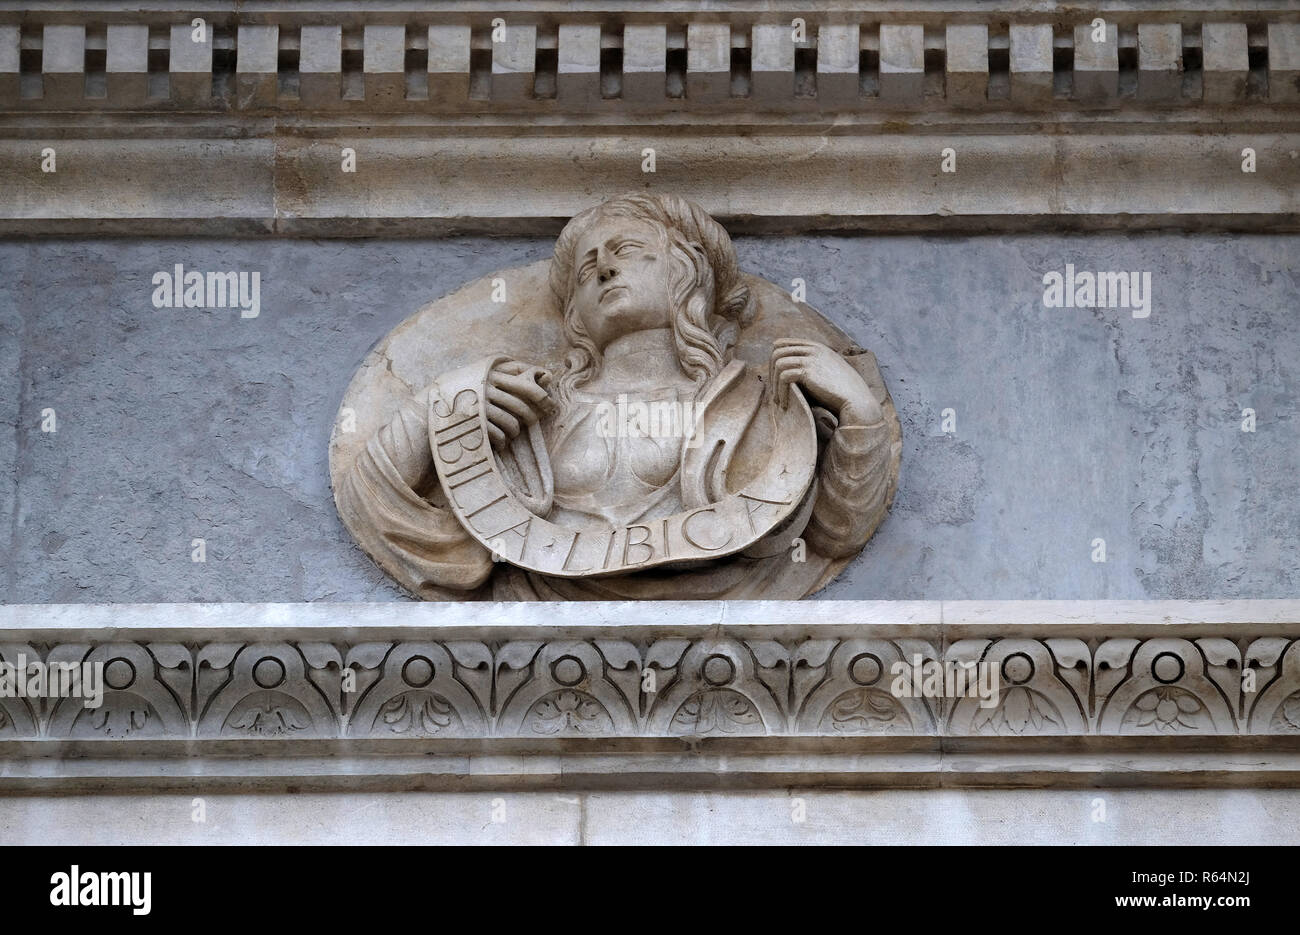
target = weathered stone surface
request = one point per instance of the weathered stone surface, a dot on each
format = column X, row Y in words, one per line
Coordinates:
column 190, row 63
column 708, row 61
column 514, row 64
column 449, row 60
column 771, row 64
column 1031, row 64
column 1284, row 62
column 880, row 817
column 320, row 66
column 1096, row 64
column 148, row 180
column 9, row 62
column 1160, row 62
column 645, row 50
column 176, row 424
column 775, row 181
column 257, row 68
column 967, row 65
column 578, row 70
column 1224, row 62
column 965, row 817
column 902, row 65
column 384, row 64
column 1133, row 423
column 13, row 434
column 651, row 34
column 63, row 65
column 838, row 62
column 127, row 63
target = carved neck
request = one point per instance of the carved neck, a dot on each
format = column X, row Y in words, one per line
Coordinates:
column 639, row 358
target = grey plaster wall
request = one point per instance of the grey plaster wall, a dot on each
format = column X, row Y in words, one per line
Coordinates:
column 1071, row 424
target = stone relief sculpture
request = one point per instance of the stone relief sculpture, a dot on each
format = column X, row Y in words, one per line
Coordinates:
column 636, row 420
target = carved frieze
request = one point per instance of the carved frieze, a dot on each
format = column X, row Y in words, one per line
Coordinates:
column 628, row 685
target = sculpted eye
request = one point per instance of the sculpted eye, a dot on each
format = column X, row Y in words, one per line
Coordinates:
column 628, row 246
column 585, row 271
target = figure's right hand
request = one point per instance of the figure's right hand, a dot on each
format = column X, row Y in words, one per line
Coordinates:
column 517, row 398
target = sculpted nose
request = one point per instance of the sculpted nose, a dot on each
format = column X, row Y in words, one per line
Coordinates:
column 606, row 269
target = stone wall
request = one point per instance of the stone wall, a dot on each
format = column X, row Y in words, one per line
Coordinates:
column 960, row 151
column 1071, row 424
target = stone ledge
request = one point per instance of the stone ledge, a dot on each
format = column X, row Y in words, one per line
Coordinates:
column 254, row 772
column 404, row 186
column 897, row 817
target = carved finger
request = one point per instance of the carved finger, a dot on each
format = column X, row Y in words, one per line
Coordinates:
column 517, row 407
column 787, row 345
column 791, row 353
column 786, row 355
column 781, row 366
column 782, row 347
column 782, row 357
column 518, row 386
column 787, row 377
column 512, row 367
column 496, row 436
column 503, row 420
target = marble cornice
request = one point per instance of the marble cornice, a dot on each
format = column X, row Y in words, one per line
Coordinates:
column 1143, row 122
column 713, row 695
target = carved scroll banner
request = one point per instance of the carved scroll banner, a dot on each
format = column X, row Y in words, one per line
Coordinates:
column 502, row 508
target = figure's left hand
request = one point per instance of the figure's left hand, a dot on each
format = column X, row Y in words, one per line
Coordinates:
column 827, row 377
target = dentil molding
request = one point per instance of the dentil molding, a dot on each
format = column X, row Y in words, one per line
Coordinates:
column 239, row 118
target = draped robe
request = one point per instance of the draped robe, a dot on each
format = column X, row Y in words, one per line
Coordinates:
column 394, row 492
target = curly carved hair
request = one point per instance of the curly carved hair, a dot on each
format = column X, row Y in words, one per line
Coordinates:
column 711, row 302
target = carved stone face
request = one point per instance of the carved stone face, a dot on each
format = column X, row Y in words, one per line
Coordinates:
column 621, row 279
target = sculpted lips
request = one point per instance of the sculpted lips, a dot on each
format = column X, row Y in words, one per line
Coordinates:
column 609, row 290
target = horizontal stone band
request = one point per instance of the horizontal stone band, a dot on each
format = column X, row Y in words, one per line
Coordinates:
column 691, row 670
column 762, row 182
column 364, row 696
column 372, row 118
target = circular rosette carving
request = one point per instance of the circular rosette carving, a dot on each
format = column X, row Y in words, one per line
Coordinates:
column 560, row 688
column 1010, row 688
column 1167, row 691
column 717, row 691
column 857, row 693
column 136, row 703
column 417, row 695
column 268, row 694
